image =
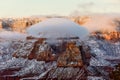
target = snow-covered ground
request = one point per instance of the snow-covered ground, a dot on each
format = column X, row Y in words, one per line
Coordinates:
column 103, row 51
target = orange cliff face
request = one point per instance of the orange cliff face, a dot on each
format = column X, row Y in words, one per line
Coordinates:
column 113, row 36
column 19, row 24
column 0, row 25
column 71, row 56
column 109, row 36
column 81, row 20
column 22, row 24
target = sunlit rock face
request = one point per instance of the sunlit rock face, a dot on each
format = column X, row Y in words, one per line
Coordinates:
column 18, row 24
column 71, row 56
column 0, row 25
column 109, row 36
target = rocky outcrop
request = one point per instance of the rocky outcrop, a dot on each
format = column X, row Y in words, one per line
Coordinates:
column 115, row 74
column 7, row 24
column 41, row 51
column 71, row 56
column 24, row 49
column 109, row 36
column 68, row 73
column 0, row 25
column 81, row 20
column 21, row 24
column 37, row 48
column 34, row 49
column 18, row 25
column 65, row 61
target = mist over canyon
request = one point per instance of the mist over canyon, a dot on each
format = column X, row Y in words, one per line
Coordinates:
column 61, row 52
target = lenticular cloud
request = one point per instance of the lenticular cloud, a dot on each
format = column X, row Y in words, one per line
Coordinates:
column 57, row 28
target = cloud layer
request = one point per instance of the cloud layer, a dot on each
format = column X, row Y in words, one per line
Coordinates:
column 97, row 6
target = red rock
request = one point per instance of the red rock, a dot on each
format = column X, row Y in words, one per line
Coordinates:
column 71, row 57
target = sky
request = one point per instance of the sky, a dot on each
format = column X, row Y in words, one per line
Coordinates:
column 57, row 7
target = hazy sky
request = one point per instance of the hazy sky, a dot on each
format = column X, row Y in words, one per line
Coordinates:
column 59, row 7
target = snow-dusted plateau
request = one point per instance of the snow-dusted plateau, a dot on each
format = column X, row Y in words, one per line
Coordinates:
column 64, row 48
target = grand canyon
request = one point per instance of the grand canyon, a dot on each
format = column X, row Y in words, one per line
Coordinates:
column 24, row 56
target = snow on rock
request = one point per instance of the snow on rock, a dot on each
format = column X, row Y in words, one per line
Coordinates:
column 57, row 28
column 34, row 49
column 68, row 73
column 24, row 48
column 13, row 63
column 98, row 62
column 26, row 66
column 102, row 51
column 95, row 78
column 6, row 50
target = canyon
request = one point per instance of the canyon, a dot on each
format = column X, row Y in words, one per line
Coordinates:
column 34, row 58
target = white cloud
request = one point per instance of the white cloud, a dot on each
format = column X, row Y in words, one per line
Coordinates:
column 99, row 6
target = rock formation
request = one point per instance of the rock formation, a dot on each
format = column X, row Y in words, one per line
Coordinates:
column 109, row 36
column 34, row 49
column 18, row 25
column 35, row 58
column 71, row 56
